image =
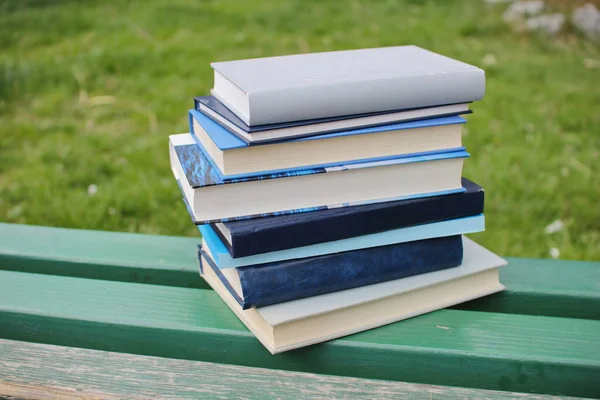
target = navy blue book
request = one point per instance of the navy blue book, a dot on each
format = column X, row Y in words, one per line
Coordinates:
column 282, row 281
column 218, row 112
column 249, row 237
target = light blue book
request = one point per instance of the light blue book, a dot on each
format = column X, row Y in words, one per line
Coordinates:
column 235, row 158
column 223, row 259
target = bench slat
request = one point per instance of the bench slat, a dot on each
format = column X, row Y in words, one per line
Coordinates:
column 539, row 287
column 448, row 347
column 117, row 256
column 39, row 372
column 544, row 287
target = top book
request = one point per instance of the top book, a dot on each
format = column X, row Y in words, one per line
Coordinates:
column 271, row 90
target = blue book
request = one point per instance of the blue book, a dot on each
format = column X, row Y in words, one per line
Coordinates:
column 224, row 260
column 235, row 158
column 212, row 199
column 283, row 281
column 218, row 112
column 271, row 234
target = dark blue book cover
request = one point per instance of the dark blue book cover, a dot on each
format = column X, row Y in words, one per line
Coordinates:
column 284, row 281
column 263, row 235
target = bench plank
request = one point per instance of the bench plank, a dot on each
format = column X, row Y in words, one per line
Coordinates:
column 448, row 347
column 128, row 257
column 544, row 287
column 31, row 370
column 538, row 287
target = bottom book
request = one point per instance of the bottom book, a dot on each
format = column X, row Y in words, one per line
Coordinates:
column 286, row 326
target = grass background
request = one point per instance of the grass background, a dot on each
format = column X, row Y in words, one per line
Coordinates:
column 90, row 91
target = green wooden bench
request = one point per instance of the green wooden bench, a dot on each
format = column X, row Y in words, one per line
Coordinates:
column 107, row 315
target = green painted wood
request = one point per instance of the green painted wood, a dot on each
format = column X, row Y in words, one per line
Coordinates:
column 538, row 287
column 128, row 257
column 449, row 347
column 544, row 287
column 28, row 370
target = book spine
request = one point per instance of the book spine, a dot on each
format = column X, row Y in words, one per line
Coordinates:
column 284, row 281
column 347, row 222
column 199, row 255
column 322, row 100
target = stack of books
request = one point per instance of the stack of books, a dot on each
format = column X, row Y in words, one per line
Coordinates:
column 328, row 190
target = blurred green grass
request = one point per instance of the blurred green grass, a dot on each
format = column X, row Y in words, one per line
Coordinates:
column 90, row 90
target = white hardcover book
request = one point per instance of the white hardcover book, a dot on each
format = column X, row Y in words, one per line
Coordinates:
column 303, row 322
column 319, row 85
column 212, row 199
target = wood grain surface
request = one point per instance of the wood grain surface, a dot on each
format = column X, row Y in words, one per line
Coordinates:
column 35, row 371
